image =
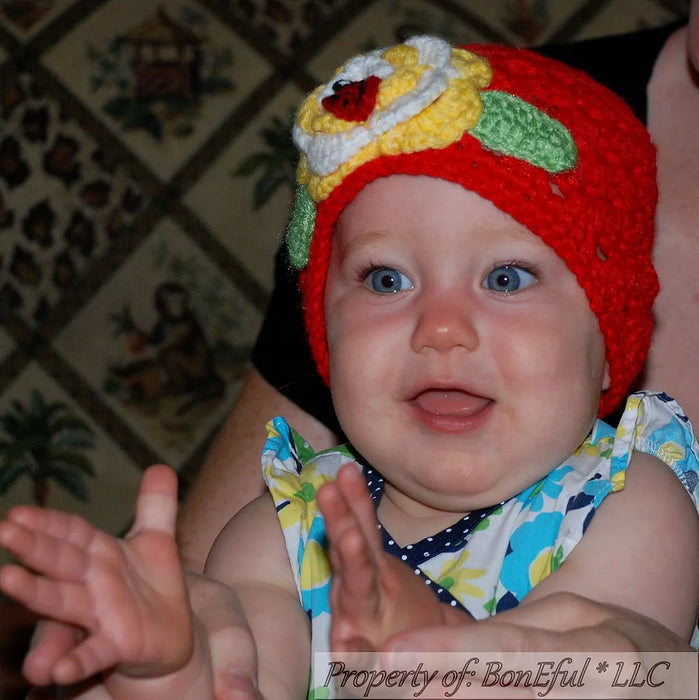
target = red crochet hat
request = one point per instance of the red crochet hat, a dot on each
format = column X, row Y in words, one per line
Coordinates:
column 545, row 143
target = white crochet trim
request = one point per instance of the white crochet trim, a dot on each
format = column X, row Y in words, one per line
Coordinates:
column 326, row 152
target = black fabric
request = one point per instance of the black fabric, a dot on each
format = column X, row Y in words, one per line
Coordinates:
column 282, row 354
column 450, row 539
column 623, row 63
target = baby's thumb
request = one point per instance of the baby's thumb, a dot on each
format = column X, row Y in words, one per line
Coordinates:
column 156, row 505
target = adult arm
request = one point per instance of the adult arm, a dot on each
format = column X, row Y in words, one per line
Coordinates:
column 283, row 381
column 231, row 475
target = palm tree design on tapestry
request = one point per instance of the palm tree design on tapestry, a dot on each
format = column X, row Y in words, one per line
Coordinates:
column 45, row 441
column 277, row 163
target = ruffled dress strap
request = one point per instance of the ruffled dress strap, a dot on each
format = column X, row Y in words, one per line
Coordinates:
column 293, row 473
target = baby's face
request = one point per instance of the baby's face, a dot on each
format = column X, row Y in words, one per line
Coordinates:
column 465, row 362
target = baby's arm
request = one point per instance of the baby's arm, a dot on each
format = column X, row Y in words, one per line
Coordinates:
column 373, row 595
column 264, row 584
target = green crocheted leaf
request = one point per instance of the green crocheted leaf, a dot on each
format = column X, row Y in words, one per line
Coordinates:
column 300, row 229
column 511, row 126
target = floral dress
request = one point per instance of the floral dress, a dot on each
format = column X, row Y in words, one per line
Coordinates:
column 490, row 559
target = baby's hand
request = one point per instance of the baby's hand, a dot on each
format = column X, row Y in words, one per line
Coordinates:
column 373, row 595
column 126, row 596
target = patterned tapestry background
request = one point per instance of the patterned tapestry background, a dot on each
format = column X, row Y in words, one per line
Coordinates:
column 145, row 179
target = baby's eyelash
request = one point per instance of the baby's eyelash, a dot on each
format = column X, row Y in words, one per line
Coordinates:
column 520, row 265
column 364, row 271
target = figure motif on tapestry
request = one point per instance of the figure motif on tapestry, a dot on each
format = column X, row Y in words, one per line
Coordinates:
column 174, row 356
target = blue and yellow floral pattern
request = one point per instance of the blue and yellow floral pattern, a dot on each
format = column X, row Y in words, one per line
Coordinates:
column 510, row 548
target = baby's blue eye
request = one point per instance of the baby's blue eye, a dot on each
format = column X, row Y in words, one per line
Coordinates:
column 509, row 279
column 386, row 280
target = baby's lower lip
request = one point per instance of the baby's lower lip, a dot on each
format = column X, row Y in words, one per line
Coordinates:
column 451, row 410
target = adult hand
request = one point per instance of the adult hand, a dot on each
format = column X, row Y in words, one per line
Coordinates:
column 561, row 627
column 558, row 622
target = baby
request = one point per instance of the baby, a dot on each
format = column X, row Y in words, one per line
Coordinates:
column 474, row 231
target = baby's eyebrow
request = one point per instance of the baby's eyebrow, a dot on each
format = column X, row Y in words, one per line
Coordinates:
column 350, row 245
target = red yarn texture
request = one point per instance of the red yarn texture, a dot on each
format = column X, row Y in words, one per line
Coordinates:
column 598, row 217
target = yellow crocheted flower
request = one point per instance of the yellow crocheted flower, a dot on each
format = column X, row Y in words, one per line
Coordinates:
column 428, row 95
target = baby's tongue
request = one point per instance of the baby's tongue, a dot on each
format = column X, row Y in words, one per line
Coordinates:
column 452, row 402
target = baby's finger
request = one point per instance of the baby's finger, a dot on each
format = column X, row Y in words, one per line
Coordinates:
column 359, row 575
column 95, row 654
column 337, row 514
column 356, row 496
column 84, row 691
column 57, row 524
column 49, row 555
column 50, row 642
column 64, row 601
column 156, row 505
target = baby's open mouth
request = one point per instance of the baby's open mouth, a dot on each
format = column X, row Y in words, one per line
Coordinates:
column 451, row 402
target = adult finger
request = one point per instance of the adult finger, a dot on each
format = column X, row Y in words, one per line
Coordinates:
column 221, row 621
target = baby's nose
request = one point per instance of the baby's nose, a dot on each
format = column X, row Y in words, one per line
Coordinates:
column 443, row 324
